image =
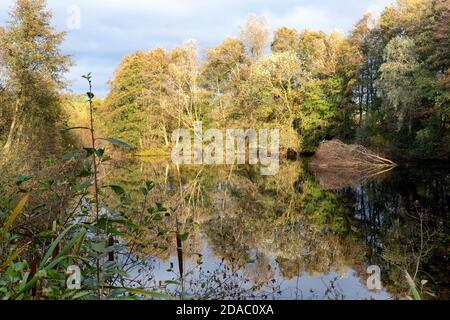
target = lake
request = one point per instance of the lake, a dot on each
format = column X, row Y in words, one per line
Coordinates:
column 305, row 233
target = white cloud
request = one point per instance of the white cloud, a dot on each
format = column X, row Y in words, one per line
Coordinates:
column 300, row 18
column 113, row 28
column 378, row 6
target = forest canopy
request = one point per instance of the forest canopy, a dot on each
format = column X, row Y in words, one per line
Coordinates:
column 384, row 85
column 381, row 91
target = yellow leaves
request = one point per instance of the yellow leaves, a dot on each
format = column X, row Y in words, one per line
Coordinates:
column 16, row 212
column 8, row 225
column 286, row 39
column 255, row 35
column 13, row 257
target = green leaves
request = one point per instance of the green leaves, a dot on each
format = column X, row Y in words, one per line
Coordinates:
column 116, row 142
column 149, row 185
column 100, row 152
column 412, row 286
column 83, row 186
column 52, row 247
column 247, row 258
column 88, row 152
column 87, row 76
column 49, row 263
column 158, row 209
column 73, row 155
column 22, row 179
column 77, row 128
column 86, row 172
column 149, row 294
column 118, row 190
column 99, row 247
column 105, row 158
column 183, row 236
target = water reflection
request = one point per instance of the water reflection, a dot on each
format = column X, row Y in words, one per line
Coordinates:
column 289, row 236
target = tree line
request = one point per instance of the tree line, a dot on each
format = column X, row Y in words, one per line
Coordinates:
column 384, row 85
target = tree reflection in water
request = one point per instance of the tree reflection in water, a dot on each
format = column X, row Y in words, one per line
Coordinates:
column 291, row 235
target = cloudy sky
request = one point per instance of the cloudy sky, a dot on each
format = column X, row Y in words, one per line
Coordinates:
column 110, row 29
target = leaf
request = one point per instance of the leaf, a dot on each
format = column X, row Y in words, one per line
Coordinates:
column 160, row 207
column 99, row 247
column 47, row 235
column 148, row 294
column 85, row 185
column 144, row 191
column 19, row 266
column 247, row 258
column 16, row 212
column 116, row 142
column 41, row 274
column 89, row 151
column 118, row 190
column 13, row 256
column 100, row 152
column 184, row 236
column 127, row 223
column 79, row 243
column 25, row 286
column 106, row 158
column 412, row 286
column 81, row 294
column 38, row 207
column 69, row 156
column 75, row 128
column 53, row 246
column 86, row 172
column 22, row 179
column 162, row 231
column 150, row 185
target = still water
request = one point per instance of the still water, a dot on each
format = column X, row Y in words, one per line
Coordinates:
column 305, row 233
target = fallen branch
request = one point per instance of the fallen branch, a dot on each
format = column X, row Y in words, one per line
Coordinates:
column 337, row 165
column 335, row 153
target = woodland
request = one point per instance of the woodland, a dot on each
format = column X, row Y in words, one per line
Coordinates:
column 384, row 86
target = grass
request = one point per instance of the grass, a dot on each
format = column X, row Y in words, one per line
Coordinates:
column 155, row 152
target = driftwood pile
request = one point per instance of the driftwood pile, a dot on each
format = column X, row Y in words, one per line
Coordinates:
column 337, row 165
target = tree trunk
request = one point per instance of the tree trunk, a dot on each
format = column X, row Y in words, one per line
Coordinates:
column 360, row 103
column 166, row 139
column 12, row 130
